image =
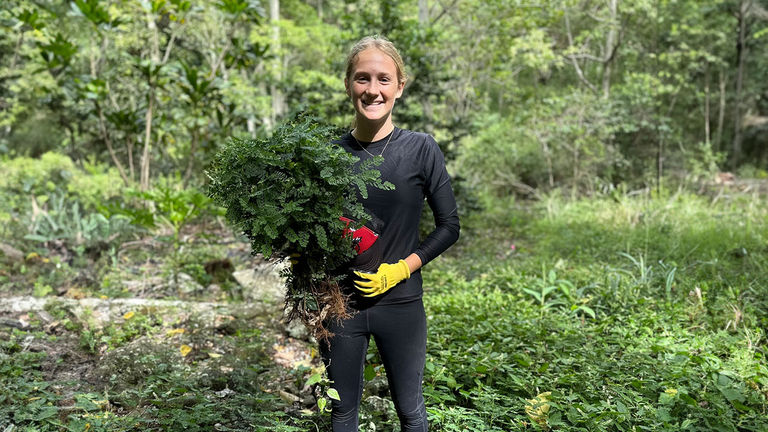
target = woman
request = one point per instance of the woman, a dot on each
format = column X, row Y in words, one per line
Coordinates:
column 387, row 297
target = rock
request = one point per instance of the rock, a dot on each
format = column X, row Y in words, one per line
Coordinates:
column 377, row 386
column 45, row 317
column 185, row 284
column 214, row 291
column 288, row 397
column 131, row 364
column 18, row 324
column 141, row 285
column 37, row 347
column 262, row 283
column 224, row 393
column 297, row 330
column 11, row 252
column 102, row 311
column 378, row 404
column 291, row 353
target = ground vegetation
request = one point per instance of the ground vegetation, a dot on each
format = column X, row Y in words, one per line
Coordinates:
column 609, row 163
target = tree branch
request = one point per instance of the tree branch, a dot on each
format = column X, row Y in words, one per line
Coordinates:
column 108, row 141
column 443, row 12
column 576, row 66
column 169, row 46
column 585, row 56
column 217, row 62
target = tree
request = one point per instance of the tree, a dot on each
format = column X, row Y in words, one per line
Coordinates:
column 141, row 84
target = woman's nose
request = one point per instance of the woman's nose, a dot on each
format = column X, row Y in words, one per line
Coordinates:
column 372, row 88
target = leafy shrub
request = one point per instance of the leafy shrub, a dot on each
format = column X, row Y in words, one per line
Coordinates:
column 95, row 184
column 30, row 176
column 619, row 372
column 677, row 337
column 169, row 205
column 516, row 160
column 78, row 231
column 56, row 173
column 553, row 141
column 286, row 194
column 29, row 182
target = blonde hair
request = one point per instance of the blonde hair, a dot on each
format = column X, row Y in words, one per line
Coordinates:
column 382, row 44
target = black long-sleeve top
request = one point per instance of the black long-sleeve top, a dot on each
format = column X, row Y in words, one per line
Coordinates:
column 413, row 163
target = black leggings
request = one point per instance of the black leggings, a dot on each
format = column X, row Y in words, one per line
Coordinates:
column 400, row 332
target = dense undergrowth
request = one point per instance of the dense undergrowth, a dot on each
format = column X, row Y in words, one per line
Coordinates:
column 632, row 313
column 618, row 312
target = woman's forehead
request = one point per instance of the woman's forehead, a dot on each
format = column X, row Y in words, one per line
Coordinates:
column 374, row 59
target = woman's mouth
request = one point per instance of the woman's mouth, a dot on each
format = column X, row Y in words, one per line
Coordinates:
column 374, row 104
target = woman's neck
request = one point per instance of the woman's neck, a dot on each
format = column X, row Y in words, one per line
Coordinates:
column 368, row 131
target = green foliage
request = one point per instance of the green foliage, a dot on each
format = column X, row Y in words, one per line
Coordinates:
column 25, row 399
column 169, row 205
column 551, row 292
column 608, row 86
column 66, row 223
column 659, row 350
column 322, row 390
column 36, row 176
column 631, row 310
column 152, row 377
column 52, row 202
column 556, row 140
column 286, row 193
column 29, row 182
column 94, row 184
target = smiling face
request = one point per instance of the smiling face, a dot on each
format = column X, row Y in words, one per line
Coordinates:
column 373, row 85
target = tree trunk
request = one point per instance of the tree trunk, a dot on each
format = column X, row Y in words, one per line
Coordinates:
column 16, row 51
column 191, row 160
column 659, row 159
column 575, row 62
column 426, row 103
column 423, row 12
column 131, row 169
column 547, row 155
column 741, row 51
column 610, row 49
column 108, row 141
column 266, row 117
column 706, row 106
column 278, row 102
column 147, row 152
column 721, row 111
column 145, row 155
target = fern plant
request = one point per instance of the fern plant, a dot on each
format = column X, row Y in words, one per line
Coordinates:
column 286, row 194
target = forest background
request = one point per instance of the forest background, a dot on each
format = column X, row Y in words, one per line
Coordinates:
column 602, row 151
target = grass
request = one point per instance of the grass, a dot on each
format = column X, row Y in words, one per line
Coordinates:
column 620, row 313
column 677, row 340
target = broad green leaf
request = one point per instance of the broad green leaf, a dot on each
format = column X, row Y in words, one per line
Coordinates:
column 333, row 394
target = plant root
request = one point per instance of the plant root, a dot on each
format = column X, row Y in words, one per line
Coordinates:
column 317, row 306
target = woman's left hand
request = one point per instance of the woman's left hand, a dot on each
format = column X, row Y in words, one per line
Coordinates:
column 386, row 277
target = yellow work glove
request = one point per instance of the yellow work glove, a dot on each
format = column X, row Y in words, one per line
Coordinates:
column 387, row 276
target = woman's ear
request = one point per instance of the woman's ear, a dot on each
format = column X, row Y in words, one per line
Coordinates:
column 346, row 87
column 400, row 87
